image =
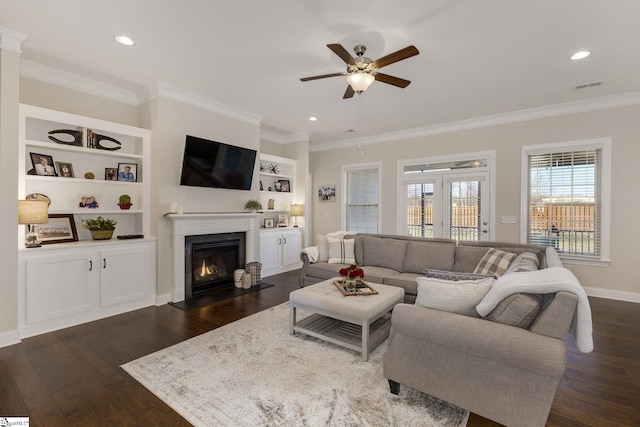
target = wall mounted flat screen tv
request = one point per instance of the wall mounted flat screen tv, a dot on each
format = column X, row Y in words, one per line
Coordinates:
column 215, row 164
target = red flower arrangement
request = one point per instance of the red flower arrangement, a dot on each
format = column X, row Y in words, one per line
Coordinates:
column 352, row 272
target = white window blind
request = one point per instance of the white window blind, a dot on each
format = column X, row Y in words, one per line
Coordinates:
column 362, row 199
column 420, row 200
column 565, row 201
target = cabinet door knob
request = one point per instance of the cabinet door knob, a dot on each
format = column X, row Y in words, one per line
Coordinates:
column 279, row 241
column 285, row 241
column 90, row 265
column 104, row 263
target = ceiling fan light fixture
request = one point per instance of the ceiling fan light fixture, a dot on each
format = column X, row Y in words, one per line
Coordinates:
column 360, row 81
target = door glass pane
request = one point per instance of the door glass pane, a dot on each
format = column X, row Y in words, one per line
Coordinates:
column 465, row 210
column 420, row 210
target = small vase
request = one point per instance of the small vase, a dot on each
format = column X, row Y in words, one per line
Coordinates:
column 350, row 284
column 237, row 277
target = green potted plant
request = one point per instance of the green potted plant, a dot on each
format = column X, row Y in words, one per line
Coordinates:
column 100, row 228
column 253, row 205
column 124, row 201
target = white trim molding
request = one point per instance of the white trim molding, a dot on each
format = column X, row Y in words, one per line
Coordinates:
column 168, row 91
column 11, row 40
column 613, row 294
column 567, row 108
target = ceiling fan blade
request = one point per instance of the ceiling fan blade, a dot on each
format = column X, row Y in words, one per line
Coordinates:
column 349, row 92
column 323, row 76
column 342, row 53
column 396, row 81
column 405, row 53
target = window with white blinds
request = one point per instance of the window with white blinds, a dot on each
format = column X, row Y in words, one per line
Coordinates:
column 362, row 186
column 565, row 203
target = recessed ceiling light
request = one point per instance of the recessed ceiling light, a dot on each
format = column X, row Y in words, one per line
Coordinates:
column 580, row 55
column 122, row 39
column 313, row 119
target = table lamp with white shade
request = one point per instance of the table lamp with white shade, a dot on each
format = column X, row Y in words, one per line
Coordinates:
column 296, row 211
column 31, row 212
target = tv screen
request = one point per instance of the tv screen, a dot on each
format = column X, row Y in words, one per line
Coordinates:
column 215, row 164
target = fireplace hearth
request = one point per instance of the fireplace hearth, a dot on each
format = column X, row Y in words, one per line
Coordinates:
column 210, row 261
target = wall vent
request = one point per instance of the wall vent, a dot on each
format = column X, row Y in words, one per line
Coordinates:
column 588, row 85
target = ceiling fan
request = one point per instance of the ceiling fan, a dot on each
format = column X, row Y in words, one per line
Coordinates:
column 362, row 71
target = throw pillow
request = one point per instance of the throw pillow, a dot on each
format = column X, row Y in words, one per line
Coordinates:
column 341, row 251
column 459, row 297
column 323, row 248
column 494, row 262
column 455, row 276
column 519, row 310
column 526, row 261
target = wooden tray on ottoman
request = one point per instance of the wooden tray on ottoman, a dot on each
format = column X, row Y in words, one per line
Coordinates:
column 362, row 288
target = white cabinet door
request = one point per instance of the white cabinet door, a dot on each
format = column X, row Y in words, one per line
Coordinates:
column 291, row 242
column 125, row 274
column 60, row 285
column 270, row 250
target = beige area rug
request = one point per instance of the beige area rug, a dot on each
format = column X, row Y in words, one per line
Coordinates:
column 253, row 373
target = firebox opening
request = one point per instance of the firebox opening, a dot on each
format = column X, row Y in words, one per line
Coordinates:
column 210, row 261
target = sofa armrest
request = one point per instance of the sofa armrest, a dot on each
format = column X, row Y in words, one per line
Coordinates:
column 304, row 257
column 482, row 338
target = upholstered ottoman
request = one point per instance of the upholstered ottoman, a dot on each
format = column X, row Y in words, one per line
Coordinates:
column 357, row 322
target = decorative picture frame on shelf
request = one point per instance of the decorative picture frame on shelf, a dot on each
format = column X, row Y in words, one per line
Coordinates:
column 110, row 174
column 88, row 201
column 268, row 223
column 128, row 172
column 277, row 186
column 285, row 185
column 327, row 193
column 65, row 169
column 43, row 164
column 283, row 220
column 61, row 228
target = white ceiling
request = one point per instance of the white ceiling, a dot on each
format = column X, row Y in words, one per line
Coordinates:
column 477, row 58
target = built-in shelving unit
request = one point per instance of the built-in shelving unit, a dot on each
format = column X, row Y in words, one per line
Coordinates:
column 65, row 284
column 277, row 183
column 66, row 192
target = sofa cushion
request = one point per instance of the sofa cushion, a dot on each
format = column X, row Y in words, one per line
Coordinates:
column 407, row 281
column 519, row 310
column 324, row 270
column 388, row 253
column 455, row 276
column 341, row 251
column 467, row 258
column 526, row 261
column 426, row 254
column 323, row 247
column 495, row 262
column 459, row 297
column 376, row 274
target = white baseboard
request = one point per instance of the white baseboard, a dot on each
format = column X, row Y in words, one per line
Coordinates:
column 163, row 299
column 9, row 338
column 611, row 294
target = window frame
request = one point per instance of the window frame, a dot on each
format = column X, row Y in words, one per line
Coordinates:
column 602, row 144
column 345, row 194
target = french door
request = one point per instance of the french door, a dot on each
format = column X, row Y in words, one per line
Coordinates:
column 452, row 205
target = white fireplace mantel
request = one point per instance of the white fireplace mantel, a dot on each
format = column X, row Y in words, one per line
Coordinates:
column 191, row 224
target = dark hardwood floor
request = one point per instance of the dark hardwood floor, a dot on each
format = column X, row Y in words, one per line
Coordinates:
column 72, row 377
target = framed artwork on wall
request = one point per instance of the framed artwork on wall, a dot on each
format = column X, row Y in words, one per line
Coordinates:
column 327, row 193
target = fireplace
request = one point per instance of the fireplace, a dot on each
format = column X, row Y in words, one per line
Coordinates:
column 210, row 261
column 196, row 224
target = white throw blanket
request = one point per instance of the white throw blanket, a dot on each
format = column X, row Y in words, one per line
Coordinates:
column 312, row 252
column 545, row 281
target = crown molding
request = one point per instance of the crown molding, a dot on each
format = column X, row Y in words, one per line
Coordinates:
column 575, row 107
column 284, row 139
column 165, row 90
column 44, row 73
column 11, row 40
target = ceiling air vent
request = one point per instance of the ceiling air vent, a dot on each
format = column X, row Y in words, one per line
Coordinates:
column 588, row 85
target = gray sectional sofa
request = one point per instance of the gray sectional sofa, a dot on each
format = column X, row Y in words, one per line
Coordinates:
column 506, row 366
column 398, row 260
